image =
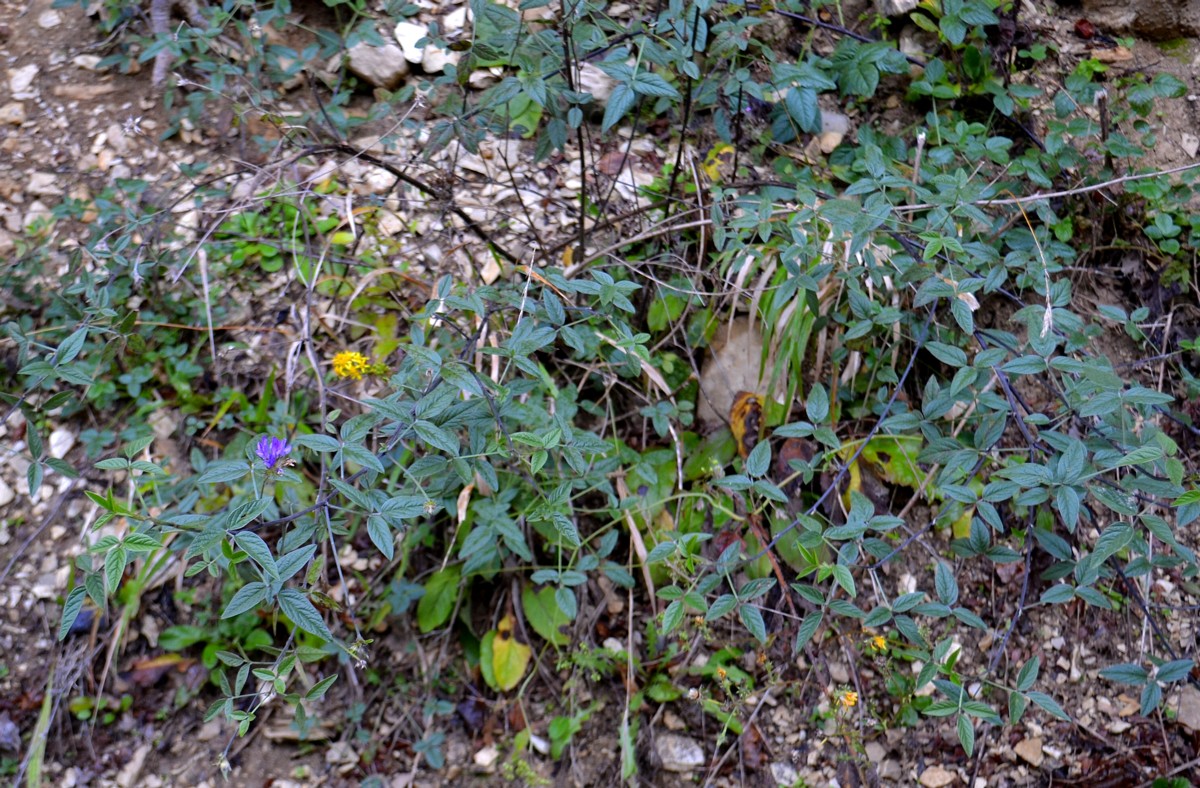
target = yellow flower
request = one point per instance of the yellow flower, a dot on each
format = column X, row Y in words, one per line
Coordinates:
column 350, row 364
column 721, row 674
column 879, row 642
column 847, row 698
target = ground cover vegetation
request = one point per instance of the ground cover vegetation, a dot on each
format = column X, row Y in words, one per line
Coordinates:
column 508, row 477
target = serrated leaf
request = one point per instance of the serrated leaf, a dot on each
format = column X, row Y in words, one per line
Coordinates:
column 296, row 606
column 672, row 616
column 1017, row 703
column 808, row 628
column 381, row 536
column 759, row 460
column 1029, row 673
column 722, row 605
column 72, row 606
column 966, row 734
column 1125, row 673
column 1049, row 705
column 752, row 618
column 247, row 597
column 252, row 545
column 945, row 584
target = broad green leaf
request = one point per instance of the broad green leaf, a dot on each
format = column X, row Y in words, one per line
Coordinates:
column 544, row 615
column 441, row 592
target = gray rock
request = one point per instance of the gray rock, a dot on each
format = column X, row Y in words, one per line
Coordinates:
column 383, row 67
column 895, row 7
column 10, row 735
column 784, row 774
column 678, row 753
column 1157, row 20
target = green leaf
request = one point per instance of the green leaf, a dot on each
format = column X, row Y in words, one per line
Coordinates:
column 842, row 575
column 1114, row 539
column 759, row 460
column 1029, row 673
column 544, row 614
column 1173, row 671
column 252, row 545
column 722, row 605
column 672, row 616
column 752, row 617
column 808, row 628
column 317, row 443
column 947, row 354
column 318, row 690
column 1125, row 673
column 1017, row 703
column 620, row 101
column 296, row 606
column 946, row 586
column 966, row 734
column 381, row 536
column 649, row 84
column 71, row 608
column 1049, row 705
column 441, row 592
column 1151, row 698
column 224, row 471
column 247, row 597
column 817, row 405
column 437, row 437
column 114, row 568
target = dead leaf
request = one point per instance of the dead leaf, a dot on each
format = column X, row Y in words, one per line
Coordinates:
column 746, row 422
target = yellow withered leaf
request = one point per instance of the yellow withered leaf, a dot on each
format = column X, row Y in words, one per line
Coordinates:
column 746, row 421
column 718, row 164
column 510, row 658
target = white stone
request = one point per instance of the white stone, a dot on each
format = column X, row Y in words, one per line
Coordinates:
column 407, row 35
column 1191, row 144
column 434, row 59
column 383, row 67
column 21, row 79
column 678, row 753
column 486, row 758
column 87, row 62
column 12, row 114
column 937, row 777
column 456, row 20
column 44, row 184
column 61, row 441
column 49, row 19
column 7, row 494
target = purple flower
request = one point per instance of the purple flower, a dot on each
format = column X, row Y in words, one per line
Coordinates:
column 271, row 450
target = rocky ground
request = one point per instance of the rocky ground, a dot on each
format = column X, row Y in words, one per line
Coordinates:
column 68, row 130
